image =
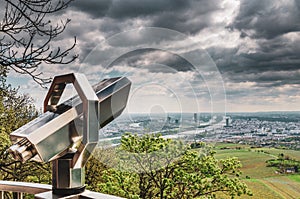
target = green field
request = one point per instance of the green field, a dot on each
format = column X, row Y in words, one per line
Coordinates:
column 263, row 181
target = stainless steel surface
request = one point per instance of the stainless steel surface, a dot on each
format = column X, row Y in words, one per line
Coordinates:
column 112, row 96
column 67, row 133
column 64, row 175
column 43, row 139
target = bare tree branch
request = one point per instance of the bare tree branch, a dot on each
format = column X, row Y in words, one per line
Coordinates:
column 27, row 37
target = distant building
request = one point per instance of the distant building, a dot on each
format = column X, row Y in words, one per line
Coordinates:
column 195, row 118
column 169, row 119
column 227, row 122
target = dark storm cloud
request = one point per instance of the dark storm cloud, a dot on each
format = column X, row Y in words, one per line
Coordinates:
column 111, row 26
column 121, row 9
column 267, row 18
column 95, row 8
column 275, row 62
column 135, row 8
column 182, row 23
column 273, row 27
column 265, row 22
column 269, row 79
column 188, row 16
column 154, row 61
column 138, row 38
column 191, row 20
column 115, row 16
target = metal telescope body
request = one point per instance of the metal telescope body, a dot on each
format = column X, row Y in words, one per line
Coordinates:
column 67, row 133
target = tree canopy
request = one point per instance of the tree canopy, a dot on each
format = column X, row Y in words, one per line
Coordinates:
column 15, row 111
column 153, row 167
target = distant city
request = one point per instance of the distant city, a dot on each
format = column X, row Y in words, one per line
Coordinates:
column 266, row 129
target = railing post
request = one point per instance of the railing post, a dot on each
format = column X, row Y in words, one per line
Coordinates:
column 17, row 195
column 1, row 194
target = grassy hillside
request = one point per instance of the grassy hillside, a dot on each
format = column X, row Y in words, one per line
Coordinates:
column 264, row 181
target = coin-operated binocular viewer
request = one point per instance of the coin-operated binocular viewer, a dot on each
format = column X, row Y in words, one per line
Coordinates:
column 67, row 133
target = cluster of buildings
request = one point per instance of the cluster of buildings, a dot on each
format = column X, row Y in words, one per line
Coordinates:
column 194, row 127
column 260, row 133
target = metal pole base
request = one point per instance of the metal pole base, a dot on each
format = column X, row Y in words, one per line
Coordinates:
column 85, row 195
column 65, row 179
column 70, row 191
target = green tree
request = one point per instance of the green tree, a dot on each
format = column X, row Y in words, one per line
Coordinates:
column 97, row 165
column 15, row 111
column 153, row 167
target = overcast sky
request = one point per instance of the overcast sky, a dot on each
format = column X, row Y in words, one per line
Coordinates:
column 197, row 53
